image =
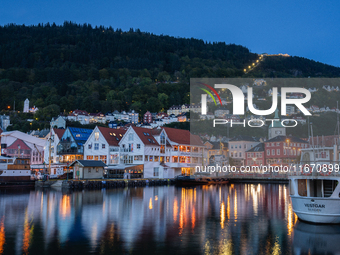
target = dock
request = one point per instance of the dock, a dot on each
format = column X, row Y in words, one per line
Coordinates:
column 104, row 183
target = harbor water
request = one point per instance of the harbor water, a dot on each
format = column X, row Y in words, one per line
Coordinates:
column 214, row 219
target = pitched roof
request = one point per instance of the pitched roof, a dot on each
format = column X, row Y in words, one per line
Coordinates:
column 257, row 148
column 145, row 135
column 59, row 132
column 282, row 138
column 90, row 163
column 112, row 135
column 217, row 145
column 182, row 136
column 80, row 134
column 244, row 138
column 25, row 137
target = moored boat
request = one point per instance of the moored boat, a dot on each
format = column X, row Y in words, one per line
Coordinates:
column 15, row 171
column 314, row 186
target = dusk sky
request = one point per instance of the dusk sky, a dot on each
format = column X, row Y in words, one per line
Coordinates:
column 309, row 29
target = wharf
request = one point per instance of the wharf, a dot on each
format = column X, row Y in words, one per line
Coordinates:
column 25, row 184
column 103, row 183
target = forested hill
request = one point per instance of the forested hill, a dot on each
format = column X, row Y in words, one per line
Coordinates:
column 62, row 68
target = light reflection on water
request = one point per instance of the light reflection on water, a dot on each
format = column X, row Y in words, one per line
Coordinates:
column 230, row 219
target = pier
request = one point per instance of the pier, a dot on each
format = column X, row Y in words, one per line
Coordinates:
column 103, row 183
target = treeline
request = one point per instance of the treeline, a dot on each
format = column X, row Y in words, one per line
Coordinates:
column 101, row 69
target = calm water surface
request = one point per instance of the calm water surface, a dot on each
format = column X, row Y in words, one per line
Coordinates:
column 231, row 219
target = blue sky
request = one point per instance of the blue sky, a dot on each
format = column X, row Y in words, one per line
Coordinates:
column 309, row 29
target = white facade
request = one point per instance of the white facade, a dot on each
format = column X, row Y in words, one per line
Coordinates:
column 35, row 144
column 54, row 142
column 134, row 151
column 26, row 105
column 98, row 148
column 238, row 148
column 59, row 122
column 133, row 117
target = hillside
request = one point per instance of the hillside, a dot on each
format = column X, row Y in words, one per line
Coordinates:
column 98, row 69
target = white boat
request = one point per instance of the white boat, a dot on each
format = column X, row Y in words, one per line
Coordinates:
column 14, row 169
column 314, row 186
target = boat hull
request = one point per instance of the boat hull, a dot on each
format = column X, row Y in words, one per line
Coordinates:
column 325, row 210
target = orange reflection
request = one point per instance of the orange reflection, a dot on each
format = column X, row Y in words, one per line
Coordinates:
column 175, row 210
column 290, row 220
column 222, row 214
column 2, row 235
column 182, row 211
column 193, row 218
column 65, row 207
column 28, row 232
column 150, row 204
column 228, row 207
column 235, row 206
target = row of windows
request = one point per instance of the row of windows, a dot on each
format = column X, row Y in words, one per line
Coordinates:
column 253, row 155
column 289, row 152
column 97, row 157
column 303, row 145
column 96, row 146
column 252, row 162
column 235, row 154
column 245, row 146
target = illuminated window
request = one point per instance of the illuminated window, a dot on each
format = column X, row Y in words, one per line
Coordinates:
column 96, row 136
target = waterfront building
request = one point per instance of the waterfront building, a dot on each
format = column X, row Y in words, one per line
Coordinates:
column 103, row 145
column 186, row 150
column 71, row 144
column 140, row 151
column 284, row 149
column 238, row 147
column 88, row 169
column 55, row 135
column 19, row 144
column 256, row 156
column 216, row 152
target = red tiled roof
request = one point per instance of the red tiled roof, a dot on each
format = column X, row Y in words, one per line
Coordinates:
column 111, row 135
column 59, row 132
column 80, row 112
column 181, row 136
column 145, row 134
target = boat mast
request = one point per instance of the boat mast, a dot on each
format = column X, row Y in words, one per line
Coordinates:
column 49, row 153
